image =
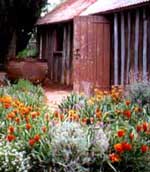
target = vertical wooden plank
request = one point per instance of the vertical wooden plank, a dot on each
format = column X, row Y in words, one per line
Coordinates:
column 68, row 67
column 129, row 47
column 145, row 24
column 40, row 56
column 94, row 65
column 100, row 54
column 90, row 56
column 76, row 53
column 136, row 45
column 122, row 48
column 55, row 69
column 64, row 56
column 52, row 53
column 83, row 48
column 116, row 49
column 106, row 57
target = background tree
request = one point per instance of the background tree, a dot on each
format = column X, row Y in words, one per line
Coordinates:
column 17, row 18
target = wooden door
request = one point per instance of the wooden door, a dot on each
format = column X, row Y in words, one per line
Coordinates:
column 91, row 61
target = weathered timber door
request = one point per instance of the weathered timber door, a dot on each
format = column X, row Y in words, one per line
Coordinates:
column 91, row 61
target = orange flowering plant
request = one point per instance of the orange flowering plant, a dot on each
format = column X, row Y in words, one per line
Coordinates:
column 125, row 121
column 23, row 123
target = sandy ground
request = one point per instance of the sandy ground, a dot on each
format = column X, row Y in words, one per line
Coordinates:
column 55, row 95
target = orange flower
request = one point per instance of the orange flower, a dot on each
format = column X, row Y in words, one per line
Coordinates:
column 37, row 138
column 34, row 115
column 15, row 111
column 44, row 129
column 25, row 110
column 138, row 128
column 56, row 114
column 28, row 126
column 137, row 109
column 75, row 117
column 121, row 133
column 98, row 114
column 131, row 136
column 84, row 120
column 61, row 117
column 127, row 113
column 126, row 146
column 114, row 157
column 11, row 116
column 144, row 148
column 118, row 147
column 27, row 119
column 128, row 102
column 145, row 126
column 11, row 129
column 148, row 132
column 10, row 137
column 31, row 142
column 17, row 120
column 47, row 118
column 7, row 105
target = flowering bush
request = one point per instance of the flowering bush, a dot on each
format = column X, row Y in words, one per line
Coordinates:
column 125, row 122
column 106, row 132
column 23, row 127
column 12, row 157
column 75, row 147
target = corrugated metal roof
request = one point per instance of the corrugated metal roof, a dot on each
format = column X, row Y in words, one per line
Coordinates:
column 102, row 6
column 71, row 8
column 66, row 11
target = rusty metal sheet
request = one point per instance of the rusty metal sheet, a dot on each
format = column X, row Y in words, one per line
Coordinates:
column 102, row 6
column 66, row 11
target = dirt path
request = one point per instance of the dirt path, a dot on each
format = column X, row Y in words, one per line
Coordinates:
column 55, row 95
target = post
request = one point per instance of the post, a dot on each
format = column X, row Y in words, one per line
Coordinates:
column 129, row 46
column 144, row 45
column 40, row 56
column 64, row 56
column 136, row 45
column 122, row 48
column 116, row 49
column 68, row 55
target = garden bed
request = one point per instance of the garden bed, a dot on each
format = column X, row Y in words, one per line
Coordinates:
column 106, row 132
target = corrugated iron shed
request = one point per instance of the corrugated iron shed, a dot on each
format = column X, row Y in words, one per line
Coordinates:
column 66, row 11
column 102, row 6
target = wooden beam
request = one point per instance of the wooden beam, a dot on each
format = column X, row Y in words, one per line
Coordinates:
column 122, row 49
column 40, row 56
column 129, row 48
column 115, row 49
column 68, row 55
column 136, row 45
column 64, row 56
column 145, row 24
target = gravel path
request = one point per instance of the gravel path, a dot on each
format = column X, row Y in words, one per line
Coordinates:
column 55, row 95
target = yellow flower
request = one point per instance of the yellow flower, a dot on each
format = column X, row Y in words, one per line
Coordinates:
column 90, row 102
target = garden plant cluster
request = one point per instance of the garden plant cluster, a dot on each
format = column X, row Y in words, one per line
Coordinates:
column 108, row 132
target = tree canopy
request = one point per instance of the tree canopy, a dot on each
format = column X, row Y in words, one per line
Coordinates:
column 17, row 16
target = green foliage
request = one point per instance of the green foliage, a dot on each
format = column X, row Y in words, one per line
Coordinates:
column 27, row 53
column 71, row 102
column 115, row 113
column 19, row 17
column 26, row 92
column 139, row 93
